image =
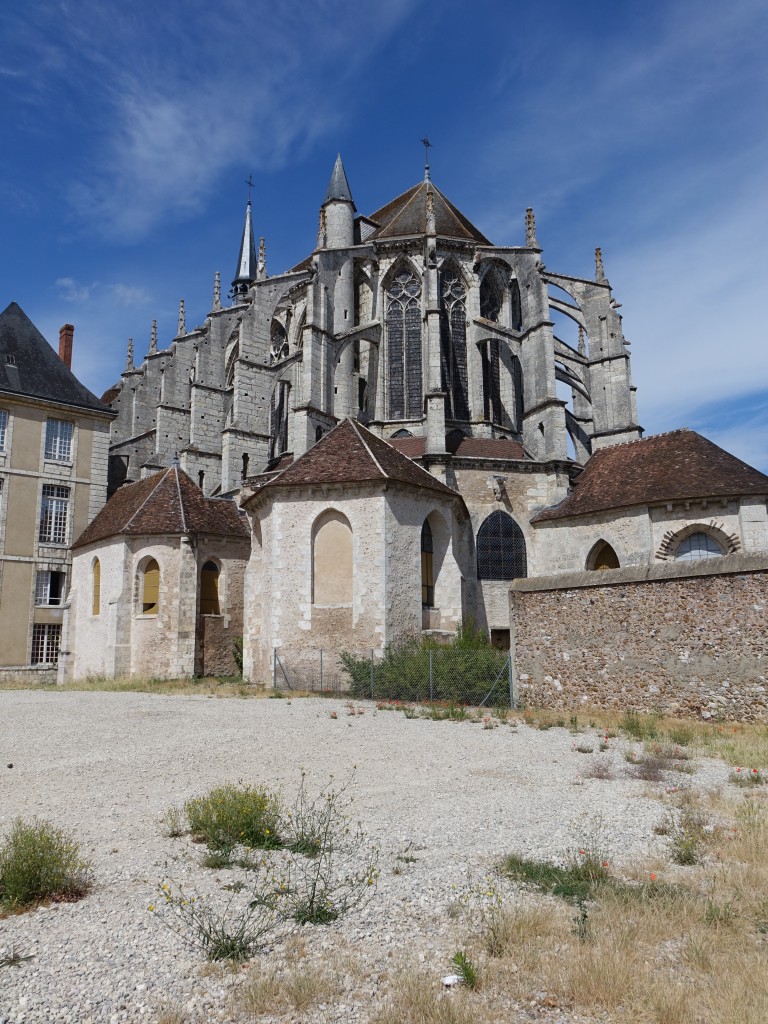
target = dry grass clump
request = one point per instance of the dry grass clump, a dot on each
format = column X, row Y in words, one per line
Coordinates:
column 273, row 991
column 417, row 999
column 226, row 686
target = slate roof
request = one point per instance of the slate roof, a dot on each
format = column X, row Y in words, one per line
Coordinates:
column 35, row 369
column 678, row 466
column 350, row 454
column 164, row 503
column 407, row 215
column 338, row 186
column 468, row 447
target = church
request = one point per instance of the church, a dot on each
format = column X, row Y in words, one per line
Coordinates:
column 378, row 442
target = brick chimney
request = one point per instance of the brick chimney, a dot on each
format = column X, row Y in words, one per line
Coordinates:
column 65, row 344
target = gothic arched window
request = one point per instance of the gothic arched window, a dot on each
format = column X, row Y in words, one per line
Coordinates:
column 501, row 551
column 453, row 342
column 209, row 589
column 150, row 588
column 427, row 567
column 491, row 295
column 404, row 345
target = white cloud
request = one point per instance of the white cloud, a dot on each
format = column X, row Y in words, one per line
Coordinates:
column 73, row 291
column 129, row 295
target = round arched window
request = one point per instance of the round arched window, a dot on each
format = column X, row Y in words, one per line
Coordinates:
column 698, row 545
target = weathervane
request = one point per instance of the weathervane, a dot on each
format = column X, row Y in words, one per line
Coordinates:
column 250, row 183
column 427, row 145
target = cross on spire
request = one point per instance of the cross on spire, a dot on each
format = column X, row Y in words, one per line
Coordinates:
column 427, row 146
column 251, row 184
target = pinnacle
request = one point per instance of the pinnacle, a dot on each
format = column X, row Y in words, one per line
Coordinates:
column 338, row 186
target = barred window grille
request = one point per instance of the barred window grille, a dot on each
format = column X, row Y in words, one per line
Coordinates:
column 501, row 553
column 46, row 640
column 58, row 440
column 453, row 343
column 404, row 346
column 53, row 514
column 3, row 428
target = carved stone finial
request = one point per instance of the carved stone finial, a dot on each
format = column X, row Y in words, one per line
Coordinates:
column 599, row 271
column 153, row 338
column 182, row 326
column 582, row 343
column 129, row 356
column 321, row 229
column 217, row 290
column 530, row 230
column 431, row 228
column 261, row 263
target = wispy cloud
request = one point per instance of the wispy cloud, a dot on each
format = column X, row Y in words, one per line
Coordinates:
column 180, row 93
column 71, row 291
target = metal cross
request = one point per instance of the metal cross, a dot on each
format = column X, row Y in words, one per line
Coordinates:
column 250, row 183
column 427, row 145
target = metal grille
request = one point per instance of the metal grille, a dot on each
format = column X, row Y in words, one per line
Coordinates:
column 453, row 343
column 58, row 440
column 501, row 551
column 3, row 428
column 404, row 346
column 46, row 639
column 53, row 514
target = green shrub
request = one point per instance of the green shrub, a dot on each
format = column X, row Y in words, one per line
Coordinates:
column 40, row 862
column 574, row 882
column 639, row 727
column 233, row 815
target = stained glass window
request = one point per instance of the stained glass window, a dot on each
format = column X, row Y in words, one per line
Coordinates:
column 501, row 553
column 404, row 346
column 453, row 343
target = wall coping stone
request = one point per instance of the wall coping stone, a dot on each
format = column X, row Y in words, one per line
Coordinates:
column 728, row 565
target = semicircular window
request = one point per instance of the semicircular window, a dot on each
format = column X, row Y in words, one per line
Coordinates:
column 501, row 553
column 698, row 545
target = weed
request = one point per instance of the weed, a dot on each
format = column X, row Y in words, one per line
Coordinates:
column 14, row 959
column 719, row 915
column 599, row 768
column 574, row 882
column 416, row 1001
column 649, row 769
column 639, row 727
column 231, row 816
column 747, row 777
column 41, row 862
column 173, row 822
column 172, row 1013
column 217, row 859
column 489, row 723
column 584, row 748
column 681, row 734
column 581, row 921
column 465, row 969
column 688, row 836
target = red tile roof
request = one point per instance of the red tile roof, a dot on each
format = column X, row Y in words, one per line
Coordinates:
column 468, row 448
column 677, row 466
column 351, row 454
column 164, row 503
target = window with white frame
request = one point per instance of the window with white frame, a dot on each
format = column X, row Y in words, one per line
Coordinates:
column 58, row 440
column 698, row 545
column 49, row 587
column 53, row 514
column 3, row 429
column 46, row 640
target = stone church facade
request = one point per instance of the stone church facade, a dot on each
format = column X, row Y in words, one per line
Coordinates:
column 408, row 434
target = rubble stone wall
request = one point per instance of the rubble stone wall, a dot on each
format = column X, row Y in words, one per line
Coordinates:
column 680, row 638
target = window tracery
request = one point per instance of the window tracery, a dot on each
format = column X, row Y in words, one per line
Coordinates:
column 453, row 343
column 404, row 345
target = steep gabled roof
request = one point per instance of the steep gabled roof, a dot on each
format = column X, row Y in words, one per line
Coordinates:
column 407, row 215
column 29, row 366
column 467, row 448
column 350, row 454
column 678, row 466
column 164, row 503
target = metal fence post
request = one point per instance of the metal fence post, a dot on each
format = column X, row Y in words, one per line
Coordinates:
column 372, row 670
column 321, row 670
column 431, row 697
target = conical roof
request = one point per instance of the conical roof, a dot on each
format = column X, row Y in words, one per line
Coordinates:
column 246, row 262
column 164, row 503
column 29, row 366
column 338, row 186
column 407, row 215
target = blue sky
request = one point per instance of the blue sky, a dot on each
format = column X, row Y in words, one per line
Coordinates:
column 639, row 127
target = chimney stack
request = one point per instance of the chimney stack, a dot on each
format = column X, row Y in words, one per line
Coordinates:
column 65, row 344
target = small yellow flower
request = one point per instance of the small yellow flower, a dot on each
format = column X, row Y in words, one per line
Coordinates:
column 151, row 907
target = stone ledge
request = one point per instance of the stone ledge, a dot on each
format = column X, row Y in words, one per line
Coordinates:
column 728, row 565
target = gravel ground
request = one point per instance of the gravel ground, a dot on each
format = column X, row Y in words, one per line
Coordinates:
column 455, row 795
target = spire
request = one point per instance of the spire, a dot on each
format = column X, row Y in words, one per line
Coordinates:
column 261, row 263
column 217, row 290
column 245, row 274
column 530, row 230
column 338, row 187
column 153, row 338
column 182, row 326
column 599, row 271
column 427, row 146
column 129, row 357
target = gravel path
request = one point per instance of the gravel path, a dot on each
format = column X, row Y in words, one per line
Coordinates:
column 106, row 765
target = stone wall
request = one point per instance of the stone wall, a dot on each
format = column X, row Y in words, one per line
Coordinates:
column 681, row 638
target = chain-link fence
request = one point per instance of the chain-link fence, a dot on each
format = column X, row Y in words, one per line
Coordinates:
column 472, row 676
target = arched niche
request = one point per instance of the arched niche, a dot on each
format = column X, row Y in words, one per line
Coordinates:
column 602, row 557
column 332, row 571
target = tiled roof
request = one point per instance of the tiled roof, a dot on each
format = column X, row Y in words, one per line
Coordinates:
column 468, row 448
column 29, row 366
column 407, row 215
column 677, row 466
column 351, row 454
column 164, row 503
